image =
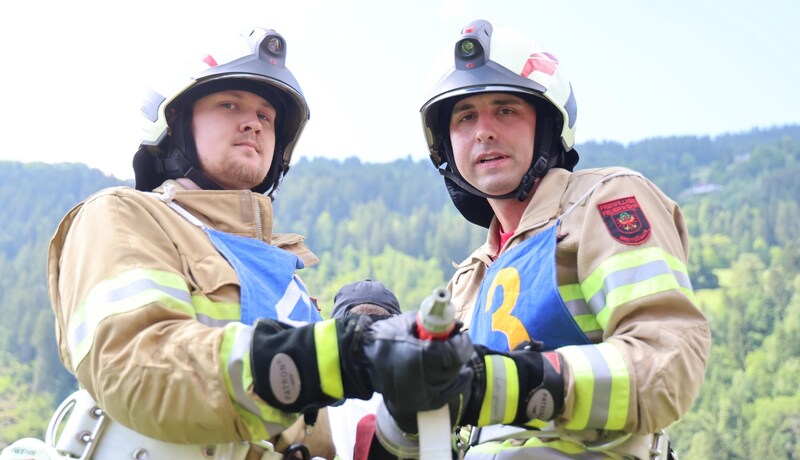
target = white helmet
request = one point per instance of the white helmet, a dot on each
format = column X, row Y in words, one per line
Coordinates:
column 167, row 148
column 488, row 60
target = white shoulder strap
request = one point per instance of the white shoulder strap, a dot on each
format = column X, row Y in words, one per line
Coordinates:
column 594, row 187
column 168, row 197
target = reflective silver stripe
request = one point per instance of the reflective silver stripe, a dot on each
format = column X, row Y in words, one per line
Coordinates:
column 239, row 356
column 122, row 294
column 548, row 442
column 641, row 273
column 683, row 279
column 215, row 313
column 602, row 386
column 601, row 397
column 546, row 453
column 499, row 395
column 634, row 275
column 138, row 286
column 595, row 335
column 209, row 321
column 81, row 330
column 572, row 295
column 496, row 451
column 578, row 307
column 239, row 350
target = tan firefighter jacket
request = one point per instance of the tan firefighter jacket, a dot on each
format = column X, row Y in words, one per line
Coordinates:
column 147, row 314
column 629, row 293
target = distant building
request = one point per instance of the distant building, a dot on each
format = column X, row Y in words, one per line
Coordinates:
column 702, row 189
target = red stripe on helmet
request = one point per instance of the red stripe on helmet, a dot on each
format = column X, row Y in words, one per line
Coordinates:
column 540, row 62
column 209, row 59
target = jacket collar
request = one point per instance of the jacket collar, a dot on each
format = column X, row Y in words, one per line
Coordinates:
column 239, row 212
column 544, row 207
column 546, row 202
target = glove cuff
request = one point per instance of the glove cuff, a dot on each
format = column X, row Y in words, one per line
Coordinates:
column 287, row 363
column 546, row 400
column 514, row 388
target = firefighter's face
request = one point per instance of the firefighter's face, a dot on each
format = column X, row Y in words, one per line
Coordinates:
column 234, row 132
column 492, row 137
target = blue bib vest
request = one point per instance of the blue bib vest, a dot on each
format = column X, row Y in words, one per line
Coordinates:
column 269, row 286
column 268, row 283
column 518, row 300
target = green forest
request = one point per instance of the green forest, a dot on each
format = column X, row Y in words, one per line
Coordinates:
column 740, row 195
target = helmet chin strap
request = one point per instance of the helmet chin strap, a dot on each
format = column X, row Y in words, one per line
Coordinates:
column 183, row 149
column 530, row 179
column 456, row 177
column 194, row 174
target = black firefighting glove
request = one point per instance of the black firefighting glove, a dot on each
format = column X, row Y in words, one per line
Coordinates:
column 414, row 374
column 297, row 369
column 508, row 388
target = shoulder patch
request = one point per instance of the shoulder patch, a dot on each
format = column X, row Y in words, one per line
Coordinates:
column 625, row 220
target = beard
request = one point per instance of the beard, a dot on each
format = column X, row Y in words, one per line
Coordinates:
column 243, row 175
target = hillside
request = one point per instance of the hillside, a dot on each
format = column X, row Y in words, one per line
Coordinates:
column 394, row 221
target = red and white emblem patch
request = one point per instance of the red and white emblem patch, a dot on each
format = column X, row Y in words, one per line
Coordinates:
column 625, row 220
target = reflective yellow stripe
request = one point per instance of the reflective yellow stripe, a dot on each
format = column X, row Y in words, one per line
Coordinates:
column 559, row 445
column 576, row 304
column 570, row 292
column 225, row 352
column 620, row 387
column 236, row 371
column 327, row 346
column 631, row 275
column 583, row 376
column 262, row 420
column 485, row 415
column 632, row 292
column 121, row 294
column 216, row 314
column 587, row 323
column 534, row 447
column 602, row 386
column 501, row 398
column 535, row 423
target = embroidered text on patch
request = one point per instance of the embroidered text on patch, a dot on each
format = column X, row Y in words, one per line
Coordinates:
column 625, row 220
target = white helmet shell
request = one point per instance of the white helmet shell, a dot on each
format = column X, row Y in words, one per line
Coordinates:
column 499, row 60
column 486, row 60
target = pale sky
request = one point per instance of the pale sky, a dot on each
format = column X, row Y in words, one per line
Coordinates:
column 73, row 72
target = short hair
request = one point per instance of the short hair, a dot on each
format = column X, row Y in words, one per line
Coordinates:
column 369, row 309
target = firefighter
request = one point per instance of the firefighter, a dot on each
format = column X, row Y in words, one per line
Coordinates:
column 588, row 340
column 366, row 297
column 178, row 309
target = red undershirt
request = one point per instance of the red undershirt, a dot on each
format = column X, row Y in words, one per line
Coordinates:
column 504, row 236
